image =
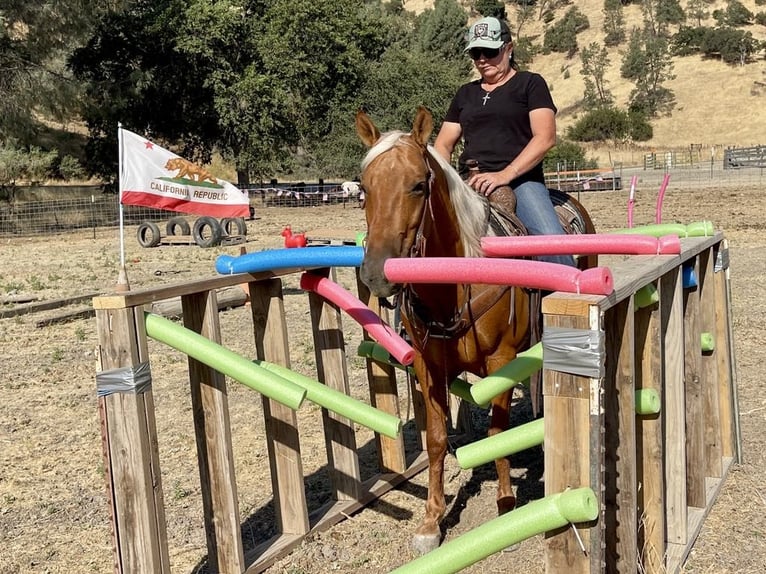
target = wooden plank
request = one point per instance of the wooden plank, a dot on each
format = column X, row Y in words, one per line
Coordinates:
column 38, row 306
column 330, row 353
column 621, row 521
column 674, row 404
column 724, row 355
column 271, row 342
column 708, row 369
column 383, row 393
column 70, row 314
column 569, row 457
column 132, row 460
column 149, row 295
column 695, row 427
column 212, row 429
column 650, row 466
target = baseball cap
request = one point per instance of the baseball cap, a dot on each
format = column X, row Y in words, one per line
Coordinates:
column 488, row 32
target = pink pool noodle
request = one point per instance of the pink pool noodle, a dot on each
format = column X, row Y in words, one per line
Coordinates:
column 660, row 196
column 593, row 244
column 362, row 314
column 517, row 272
column 632, row 200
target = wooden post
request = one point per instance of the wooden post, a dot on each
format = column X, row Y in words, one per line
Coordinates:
column 724, row 354
column 709, row 370
column 271, row 342
column 340, row 437
column 620, row 519
column 650, row 464
column 572, row 442
column 130, row 449
column 695, row 428
column 214, row 449
column 674, row 405
column 383, row 393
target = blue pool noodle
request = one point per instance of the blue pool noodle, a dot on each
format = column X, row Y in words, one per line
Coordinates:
column 302, row 257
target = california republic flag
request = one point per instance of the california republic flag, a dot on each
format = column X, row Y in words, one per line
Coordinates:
column 154, row 177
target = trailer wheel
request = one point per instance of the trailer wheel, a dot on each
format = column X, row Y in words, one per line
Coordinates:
column 148, row 234
column 207, row 231
column 238, row 223
column 177, row 224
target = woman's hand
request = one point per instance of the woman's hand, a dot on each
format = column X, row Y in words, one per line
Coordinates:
column 486, row 183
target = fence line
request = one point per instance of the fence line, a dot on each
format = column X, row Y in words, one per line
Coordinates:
column 44, row 217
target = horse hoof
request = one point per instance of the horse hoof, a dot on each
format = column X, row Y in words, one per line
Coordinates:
column 424, row 543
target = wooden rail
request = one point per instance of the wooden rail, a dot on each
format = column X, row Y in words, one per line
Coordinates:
column 656, row 476
column 130, row 438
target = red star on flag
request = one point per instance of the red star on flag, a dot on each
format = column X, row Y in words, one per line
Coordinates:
column 148, row 145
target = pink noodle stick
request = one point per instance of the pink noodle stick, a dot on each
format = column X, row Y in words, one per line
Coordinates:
column 362, row 314
column 660, row 197
column 480, row 270
column 605, row 244
column 669, row 245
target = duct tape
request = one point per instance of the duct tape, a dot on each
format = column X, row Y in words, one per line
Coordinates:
column 721, row 260
column 134, row 380
column 574, row 351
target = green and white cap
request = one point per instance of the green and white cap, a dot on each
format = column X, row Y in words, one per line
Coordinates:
column 488, row 32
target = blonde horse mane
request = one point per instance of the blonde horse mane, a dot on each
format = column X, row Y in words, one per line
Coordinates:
column 471, row 209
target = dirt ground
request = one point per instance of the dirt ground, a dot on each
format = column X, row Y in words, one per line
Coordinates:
column 53, row 507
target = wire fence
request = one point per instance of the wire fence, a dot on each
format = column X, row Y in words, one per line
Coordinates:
column 50, row 216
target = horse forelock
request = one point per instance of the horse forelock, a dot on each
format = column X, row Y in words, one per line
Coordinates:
column 470, row 207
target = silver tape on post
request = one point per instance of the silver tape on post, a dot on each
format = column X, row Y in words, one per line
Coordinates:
column 132, row 380
column 574, row 351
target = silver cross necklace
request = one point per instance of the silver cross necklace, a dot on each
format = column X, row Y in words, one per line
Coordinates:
column 485, row 98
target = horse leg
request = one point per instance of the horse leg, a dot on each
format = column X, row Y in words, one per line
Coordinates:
column 506, row 501
column 428, row 535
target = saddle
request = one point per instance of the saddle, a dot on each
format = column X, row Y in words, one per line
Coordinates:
column 503, row 200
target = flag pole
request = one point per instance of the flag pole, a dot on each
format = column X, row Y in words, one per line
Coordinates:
column 122, row 278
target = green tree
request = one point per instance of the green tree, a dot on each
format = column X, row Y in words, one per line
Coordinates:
column 562, row 36
column 595, row 62
column 494, row 8
column 441, row 31
column 35, row 36
column 697, row 10
column 566, row 154
column 614, row 23
column 735, row 15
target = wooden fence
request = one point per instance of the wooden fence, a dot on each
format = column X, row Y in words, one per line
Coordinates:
column 656, row 477
column 740, row 157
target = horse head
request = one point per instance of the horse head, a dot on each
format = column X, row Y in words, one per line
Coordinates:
column 396, row 179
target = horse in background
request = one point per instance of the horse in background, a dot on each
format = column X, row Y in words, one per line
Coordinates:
column 418, row 206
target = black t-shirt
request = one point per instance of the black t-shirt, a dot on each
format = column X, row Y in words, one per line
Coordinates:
column 496, row 124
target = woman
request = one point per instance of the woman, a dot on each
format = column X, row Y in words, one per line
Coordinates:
column 507, row 120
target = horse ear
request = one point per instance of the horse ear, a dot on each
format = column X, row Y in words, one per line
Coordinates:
column 423, row 126
column 366, row 130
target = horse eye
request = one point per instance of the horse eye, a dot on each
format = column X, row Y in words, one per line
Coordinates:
column 421, row 187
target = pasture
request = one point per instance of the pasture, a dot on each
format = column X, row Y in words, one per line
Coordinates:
column 53, row 508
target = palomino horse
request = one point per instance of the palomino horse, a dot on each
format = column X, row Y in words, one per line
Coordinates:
column 417, row 206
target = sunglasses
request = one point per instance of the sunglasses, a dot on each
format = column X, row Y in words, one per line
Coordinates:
column 488, row 53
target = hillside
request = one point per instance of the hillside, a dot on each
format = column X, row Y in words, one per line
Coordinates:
column 716, row 104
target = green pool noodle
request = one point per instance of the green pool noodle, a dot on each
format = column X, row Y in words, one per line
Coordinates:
column 373, row 350
column 224, row 361
column 360, row 238
column 537, row 517
column 337, row 402
column 696, row 229
column 502, row 444
column 647, row 295
column 522, row 367
column 462, row 388
column 647, row 402
column 708, row 342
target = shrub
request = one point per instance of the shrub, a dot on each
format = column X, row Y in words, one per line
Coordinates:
column 611, row 124
column 567, row 153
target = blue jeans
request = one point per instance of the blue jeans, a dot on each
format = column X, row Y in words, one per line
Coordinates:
column 535, row 209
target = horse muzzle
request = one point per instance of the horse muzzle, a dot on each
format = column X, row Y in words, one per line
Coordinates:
column 372, row 275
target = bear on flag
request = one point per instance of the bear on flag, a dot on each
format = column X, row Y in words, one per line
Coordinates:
column 152, row 176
